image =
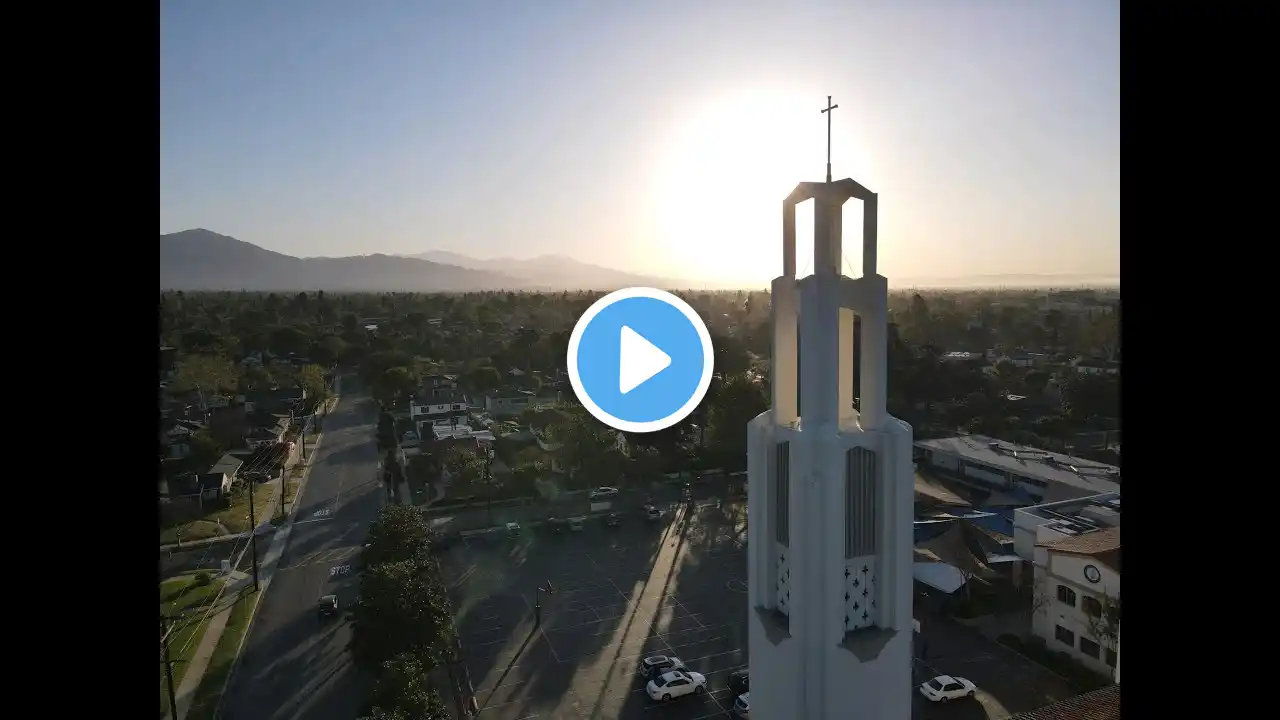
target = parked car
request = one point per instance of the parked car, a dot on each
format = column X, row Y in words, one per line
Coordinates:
column 739, row 682
column 742, row 706
column 652, row 513
column 557, row 525
column 613, row 520
column 576, row 524
column 604, row 492
column 328, row 606
column 947, row 687
column 676, row 683
column 658, row 664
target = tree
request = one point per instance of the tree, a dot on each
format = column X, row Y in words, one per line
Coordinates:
column 399, row 533
column 311, row 378
column 207, row 373
column 205, row 450
column 402, row 608
column 465, row 467
column 401, row 691
column 1105, row 626
column 739, row 401
column 394, row 385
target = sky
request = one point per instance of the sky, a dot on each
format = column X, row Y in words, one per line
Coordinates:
column 658, row 137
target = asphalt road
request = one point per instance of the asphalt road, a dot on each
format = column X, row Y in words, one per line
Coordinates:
column 295, row 665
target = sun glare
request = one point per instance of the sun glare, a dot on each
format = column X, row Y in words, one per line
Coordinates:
column 721, row 182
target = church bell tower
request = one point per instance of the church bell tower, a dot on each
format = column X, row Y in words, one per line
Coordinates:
column 831, row 491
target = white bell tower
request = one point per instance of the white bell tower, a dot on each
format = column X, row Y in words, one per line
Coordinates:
column 831, row 491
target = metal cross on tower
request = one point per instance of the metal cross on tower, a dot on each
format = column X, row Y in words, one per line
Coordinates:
column 827, row 111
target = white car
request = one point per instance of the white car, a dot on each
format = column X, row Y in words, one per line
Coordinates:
column 660, row 664
column 676, row 683
column 742, row 706
column 603, row 492
column 946, row 687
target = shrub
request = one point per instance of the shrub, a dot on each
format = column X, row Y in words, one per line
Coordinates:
column 203, row 578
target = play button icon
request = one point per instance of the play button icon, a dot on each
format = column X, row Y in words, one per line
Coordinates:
column 640, row 359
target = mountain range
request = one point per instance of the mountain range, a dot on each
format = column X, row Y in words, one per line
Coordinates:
column 204, row 260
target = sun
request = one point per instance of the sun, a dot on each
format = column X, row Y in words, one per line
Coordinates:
column 720, row 182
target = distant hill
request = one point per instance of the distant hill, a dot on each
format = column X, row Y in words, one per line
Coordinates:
column 1007, row 281
column 204, row 260
column 555, row 272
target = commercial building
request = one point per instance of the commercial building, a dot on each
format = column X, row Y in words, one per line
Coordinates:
column 1066, row 518
column 1077, row 597
column 1000, row 467
column 831, row 625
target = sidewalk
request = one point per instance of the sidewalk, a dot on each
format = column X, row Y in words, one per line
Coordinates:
column 266, row 569
column 236, row 581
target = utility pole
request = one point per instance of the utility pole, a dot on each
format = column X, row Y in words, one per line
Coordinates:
column 253, row 529
column 168, row 669
column 488, row 487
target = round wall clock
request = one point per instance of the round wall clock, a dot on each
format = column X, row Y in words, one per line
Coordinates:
column 1092, row 574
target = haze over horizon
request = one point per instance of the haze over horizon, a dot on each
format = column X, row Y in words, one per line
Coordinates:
column 657, row 138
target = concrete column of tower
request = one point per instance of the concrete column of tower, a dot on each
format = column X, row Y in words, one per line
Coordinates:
column 783, row 366
column 874, row 375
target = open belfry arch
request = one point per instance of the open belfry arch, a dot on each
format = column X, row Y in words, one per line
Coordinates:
column 831, row 489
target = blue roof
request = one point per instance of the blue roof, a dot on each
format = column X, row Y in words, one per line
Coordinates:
column 926, row 530
column 997, row 522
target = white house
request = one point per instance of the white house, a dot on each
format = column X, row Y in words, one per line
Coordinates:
column 1077, row 591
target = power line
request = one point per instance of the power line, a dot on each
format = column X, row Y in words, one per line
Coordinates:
column 258, row 465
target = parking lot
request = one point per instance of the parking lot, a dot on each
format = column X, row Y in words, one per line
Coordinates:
column 617, row 594
column 674, row 587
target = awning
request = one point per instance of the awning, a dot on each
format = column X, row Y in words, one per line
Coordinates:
column 939, row 576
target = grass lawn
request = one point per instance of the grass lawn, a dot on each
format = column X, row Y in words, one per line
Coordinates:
column 290, row 494
column 190, row 531
column 205, row 701
column 181, row 595
column 236, row 517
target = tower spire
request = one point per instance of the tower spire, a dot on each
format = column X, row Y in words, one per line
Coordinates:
column 827, row 111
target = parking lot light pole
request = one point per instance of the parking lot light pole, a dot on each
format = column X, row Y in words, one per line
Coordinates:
column 537, row 602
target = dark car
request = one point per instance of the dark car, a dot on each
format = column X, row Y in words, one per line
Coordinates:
column 328, row 606
column 612, row 520
column 556, row 524
column 739, row 682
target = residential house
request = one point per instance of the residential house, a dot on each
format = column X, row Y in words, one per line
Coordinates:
column 1077, row 611
column 214, row 484
column 175, row 436
column 1095, row 366
column 437, row 406
column 168, row 362
column 281, row 401
column 265, row 433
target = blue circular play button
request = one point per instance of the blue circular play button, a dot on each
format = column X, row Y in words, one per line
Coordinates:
column 640, row 359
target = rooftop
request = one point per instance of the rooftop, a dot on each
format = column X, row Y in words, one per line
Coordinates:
column 1068, row 470
column 1101, row 704
column 1101, row 544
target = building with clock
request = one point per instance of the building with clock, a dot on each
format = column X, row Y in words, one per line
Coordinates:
column 1076, row 606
